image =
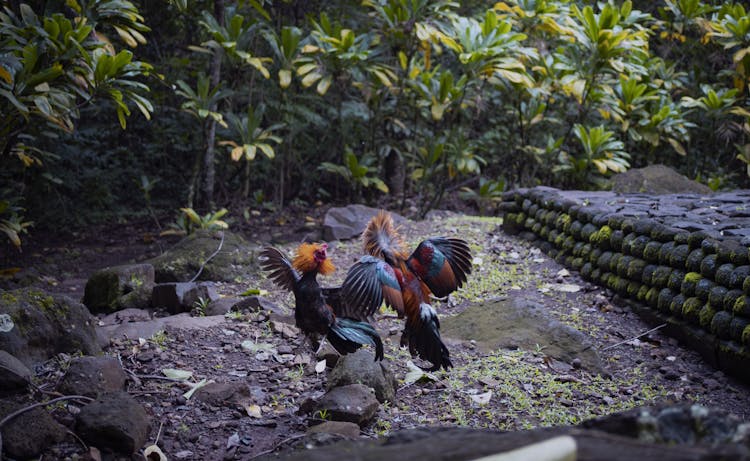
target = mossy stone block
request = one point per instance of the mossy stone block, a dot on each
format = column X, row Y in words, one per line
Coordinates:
column 709, row 266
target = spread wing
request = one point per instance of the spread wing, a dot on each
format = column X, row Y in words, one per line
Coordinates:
column 442, row 264
column 281, row 270
column 368, row 282
column 334, row 299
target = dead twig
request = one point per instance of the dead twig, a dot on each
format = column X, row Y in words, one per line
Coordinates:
column 276, row 446
column 221, row 243
column 634, row 337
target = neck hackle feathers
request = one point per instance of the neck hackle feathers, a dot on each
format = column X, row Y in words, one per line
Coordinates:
column 312, row 257
column 381, row 238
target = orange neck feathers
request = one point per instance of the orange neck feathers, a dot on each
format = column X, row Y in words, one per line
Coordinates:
column 312, row 257
column 381, row 236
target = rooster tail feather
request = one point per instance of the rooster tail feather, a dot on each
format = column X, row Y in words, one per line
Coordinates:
column 381, row 238
column 424, row 339
column 347, row 335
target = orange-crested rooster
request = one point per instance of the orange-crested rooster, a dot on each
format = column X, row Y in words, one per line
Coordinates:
column 437, row 267
column 318, row 310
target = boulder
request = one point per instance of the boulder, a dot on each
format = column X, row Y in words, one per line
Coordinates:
column 92, row 376
column 236, row 259
column 349, row 222
column 355, row 403
column 360, row 367
column 253, row 303
column 42, row 325
column 656, row 179
column 341, row 428
column 14, row 375
column 521, row 323
column 115, row 422
column 119, row 287
column 27, row 435
column 182, row 297
column 146, row 329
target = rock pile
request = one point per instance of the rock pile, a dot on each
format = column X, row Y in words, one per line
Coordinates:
column 683, row 258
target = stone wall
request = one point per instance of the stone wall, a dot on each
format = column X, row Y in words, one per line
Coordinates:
column 679, row 259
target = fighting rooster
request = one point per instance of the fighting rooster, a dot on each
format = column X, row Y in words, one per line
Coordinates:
column 317, row 309
column 437, row 267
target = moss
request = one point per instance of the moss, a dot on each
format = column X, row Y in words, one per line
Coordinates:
column 622, row 265
column 544, row 232
column 746, row 286
column 648, row 273
column 577, row 263
column 586, row 231
column 635, row 269
column 688, row 283
column 638, row 247
column 604, row 233
column 746, row 336
column 705, row 315
column 596, row 275
column 559, row 240
column 569, row 243
column 651, row 251
column 553, row 234
column 633, row 288
column 578, row 248
column 614, row 261
column 691, row 308
column 661, row 276
column 8, row 298
column 742, row 306
column 563, row 222
column 641, row 295
column 594, row 255
column 730, row 298
column 621, row 286
column 536, row 228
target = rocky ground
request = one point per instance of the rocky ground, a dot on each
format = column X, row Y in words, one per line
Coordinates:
column 267, row 371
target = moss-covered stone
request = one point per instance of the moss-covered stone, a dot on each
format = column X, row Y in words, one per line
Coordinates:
column 638, row 247
column 621, row 286
column 746, row 336
column 687, row 287
column 737, row 326
column 635, row 269
column 679, row 256
column 720, row 324
column 633, row 288
column 550, row 217
column 742, row 306
column 526, row 204
column 665, row 252
column 587, row 231
column 733, row 252
column 576, row 263
column 604, row 260
column 648, row 274
column 705, row 315
column 651, row 251
column 537, row 228
column 575, row 229
column 664, row 300
column 563, row 222
column 746, row 286
column 675, row 305
column 703, row 287
column 614, row 261
column 674, row 281
column 552, row 236
column 738, row 276
column 578, row 248
column 627, row 243
column 641, row 295
column 662, row 233
column 730, row 298
column 596, row 275
column 716, row 296
column 691, row 309
column 627, row 225
column 724, row 274
column 601, row 237
column 709, row 266
column 559, row 240
column 594, row 255
column 622, row 265
column 644, row 226
column 543, row 232
column 696, row 238
column 652, row 297
column 569, row 243
column 661, row 276
column 586, row 270
column 694, row 260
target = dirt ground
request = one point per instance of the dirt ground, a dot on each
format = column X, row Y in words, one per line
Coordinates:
column 502, row 389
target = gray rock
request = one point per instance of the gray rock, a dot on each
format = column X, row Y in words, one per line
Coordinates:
column 134, row 330
column 232, row 393
column 125, row 316
column 14, row 375
column 360, row 367
column 44, row 325
column 182, row 297
column 222, row 306
column 355, row 403
column 114, row 422
column 92, row 376
column 180, row 263
column 27, row 435
column 520, row 323
column 119, row 287
column 342, row 428
column 656, row 179
column 349, row 222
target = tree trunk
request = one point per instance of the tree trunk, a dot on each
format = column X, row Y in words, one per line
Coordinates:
column 209, row 168
column 395, row 175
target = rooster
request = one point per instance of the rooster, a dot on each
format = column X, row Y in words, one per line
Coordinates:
column 438, row 266
column 317, row 309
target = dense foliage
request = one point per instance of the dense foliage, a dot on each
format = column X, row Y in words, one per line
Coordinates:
column 258, row 103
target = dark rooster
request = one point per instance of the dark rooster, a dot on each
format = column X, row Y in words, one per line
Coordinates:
column 437, row 267
column 317, row 309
